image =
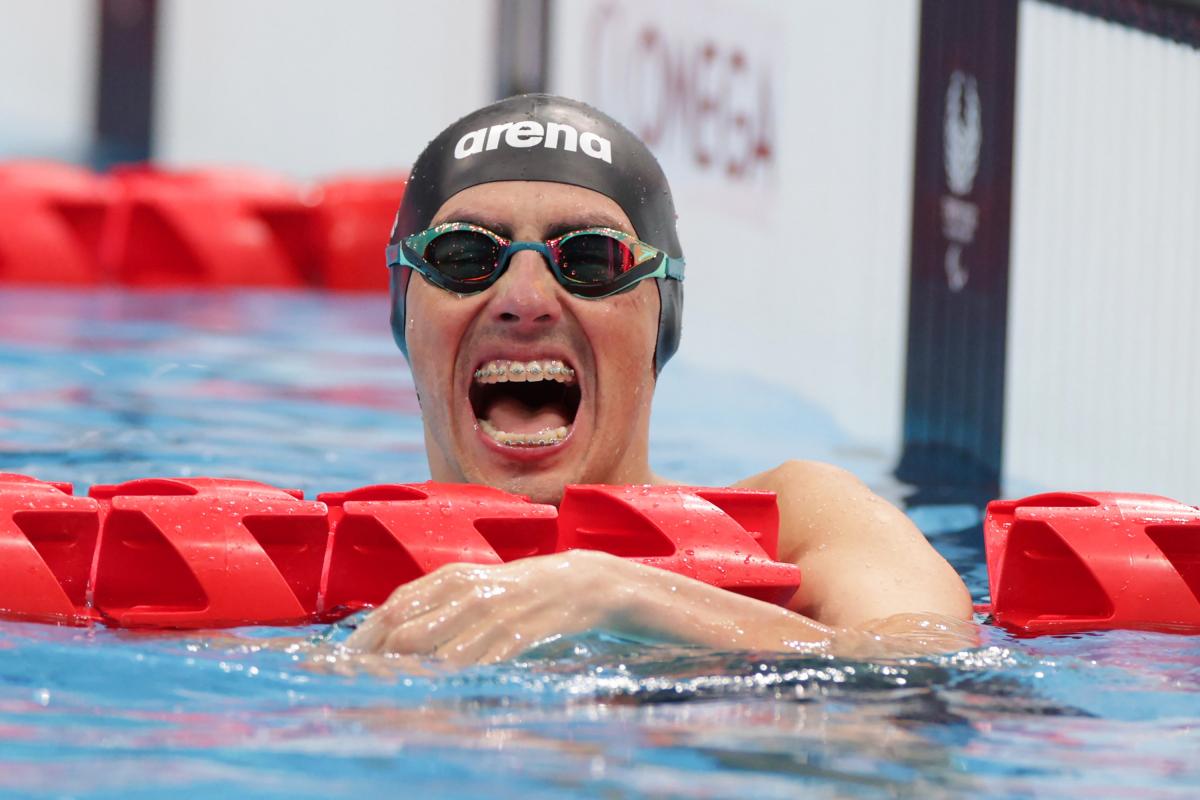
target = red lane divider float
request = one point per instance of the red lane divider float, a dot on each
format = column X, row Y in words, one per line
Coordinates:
column 351, row 220
column 206, row 552
column 1065, row 562
column 52, row 219
column 207, row 228
column 151, row 227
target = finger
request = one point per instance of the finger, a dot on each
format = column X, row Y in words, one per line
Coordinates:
column 423, row 634
column 494, row 605
column 372, row 633
column 511, row 633
column 489, row 642
column 409, row 602
column 480, row 605
column 540, row 609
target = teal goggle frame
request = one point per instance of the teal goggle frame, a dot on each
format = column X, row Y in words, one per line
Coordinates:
column 465, row 258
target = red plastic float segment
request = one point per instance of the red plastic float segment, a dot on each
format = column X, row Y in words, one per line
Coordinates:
column 1086, row 561
column 152, row 227
column 684, row 530
column 47, row 543
column 757, row 512
column 206, row 552
column 53, row 221
column 384, row 536
column 351, row 221
column 208, row 228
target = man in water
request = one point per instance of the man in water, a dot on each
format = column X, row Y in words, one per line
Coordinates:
column 547, row 298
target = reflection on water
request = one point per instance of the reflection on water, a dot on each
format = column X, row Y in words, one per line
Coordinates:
column 306, row 391
column 591, row 716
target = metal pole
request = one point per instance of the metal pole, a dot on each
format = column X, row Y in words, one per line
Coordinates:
column 125, row 81
column 958, row 286
column 522, row 46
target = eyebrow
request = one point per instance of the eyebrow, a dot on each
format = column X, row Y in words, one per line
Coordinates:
column 597, row 219
column 593, row 220
column 473, row 218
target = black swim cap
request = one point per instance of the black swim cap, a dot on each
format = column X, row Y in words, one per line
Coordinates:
column 542, row 137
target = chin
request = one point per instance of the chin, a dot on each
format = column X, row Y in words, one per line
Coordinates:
column 538, row 488
column 549, row 493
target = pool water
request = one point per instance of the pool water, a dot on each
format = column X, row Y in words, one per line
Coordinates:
column 307, row 391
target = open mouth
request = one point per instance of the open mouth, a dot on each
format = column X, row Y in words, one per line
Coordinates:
column 525, row 403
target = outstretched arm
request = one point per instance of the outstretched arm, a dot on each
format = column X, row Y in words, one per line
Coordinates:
column 468, row 614
column 872, row 586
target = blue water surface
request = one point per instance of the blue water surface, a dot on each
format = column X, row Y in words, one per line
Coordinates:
column 307, row 391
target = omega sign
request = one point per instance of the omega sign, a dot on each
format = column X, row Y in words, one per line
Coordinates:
column 698, row 92
column 963, row 136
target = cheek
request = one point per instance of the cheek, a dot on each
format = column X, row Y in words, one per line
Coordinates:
column 626, row 330
column 642, row 324
column 435, row 323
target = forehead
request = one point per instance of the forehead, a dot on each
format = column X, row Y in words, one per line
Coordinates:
column 531, row 207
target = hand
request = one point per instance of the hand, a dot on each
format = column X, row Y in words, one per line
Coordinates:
column 471, row 614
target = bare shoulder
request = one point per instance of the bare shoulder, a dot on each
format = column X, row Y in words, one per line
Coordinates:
column 804, row 476
column 820, row 504
column 861, row 557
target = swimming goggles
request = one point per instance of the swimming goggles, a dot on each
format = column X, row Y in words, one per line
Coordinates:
column 595, row 262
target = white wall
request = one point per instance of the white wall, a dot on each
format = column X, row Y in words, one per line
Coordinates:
column 1104, row 333
column 47, row 77
column 798, row 267
column 311, row 87
column 801, row 262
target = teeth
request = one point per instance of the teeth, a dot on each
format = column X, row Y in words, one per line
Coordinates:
column 525, row 371
column 542, row 438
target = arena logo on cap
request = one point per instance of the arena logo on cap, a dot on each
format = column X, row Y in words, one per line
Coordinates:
column 531, row 133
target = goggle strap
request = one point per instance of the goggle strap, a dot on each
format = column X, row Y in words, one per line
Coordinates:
column 675, row 267
column 394, row 257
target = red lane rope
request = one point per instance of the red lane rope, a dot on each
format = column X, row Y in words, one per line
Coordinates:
column 209, row 552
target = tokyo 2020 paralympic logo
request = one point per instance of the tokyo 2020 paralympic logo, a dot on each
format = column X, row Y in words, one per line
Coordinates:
column 962, row 141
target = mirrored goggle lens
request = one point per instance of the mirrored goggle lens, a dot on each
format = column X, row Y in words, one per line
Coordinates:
column 464, row 256
column 594, row 259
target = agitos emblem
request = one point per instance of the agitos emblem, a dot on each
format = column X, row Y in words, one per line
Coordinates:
column 963, row 132
column 962, row 136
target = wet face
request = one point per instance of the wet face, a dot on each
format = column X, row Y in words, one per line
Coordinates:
column 525, row 386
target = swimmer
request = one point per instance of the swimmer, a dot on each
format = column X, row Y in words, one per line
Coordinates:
column 537, row 290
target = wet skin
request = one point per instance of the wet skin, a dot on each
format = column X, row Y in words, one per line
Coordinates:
column 872, row 584
column 527, row 315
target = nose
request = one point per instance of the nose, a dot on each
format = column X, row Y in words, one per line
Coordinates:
column 526, row 298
